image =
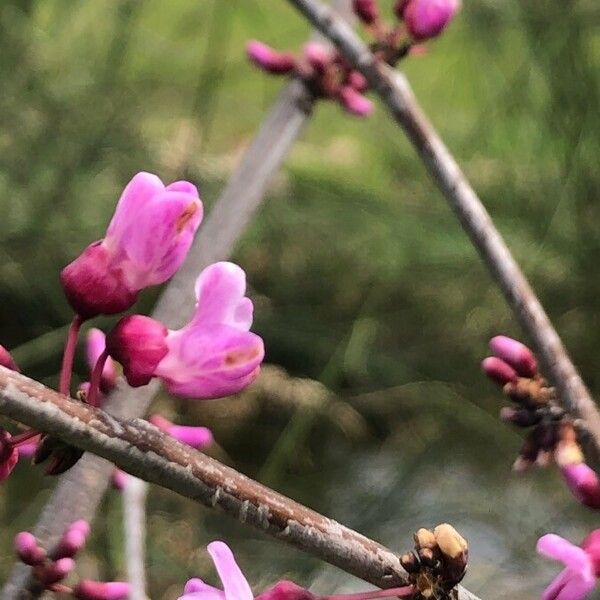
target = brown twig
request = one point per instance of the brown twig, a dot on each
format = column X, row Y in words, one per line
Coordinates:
column 395, row 92
column 143, row 450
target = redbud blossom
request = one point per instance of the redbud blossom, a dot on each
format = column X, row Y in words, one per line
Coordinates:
column 139, row 344
column 354, row 102
column 28, row 550
column 428, row 18
column 196, row 437
column 270, row 60
column 95, row 346
column 366, row 10
column 96, row 590
column 146, row 241
column 582, row 564
column 55, row 571
column 516, row 354
column 72, row 540
column 9, row 455
column 357, row 81
column 6, row 360
column 215, row 354
column 317, row 55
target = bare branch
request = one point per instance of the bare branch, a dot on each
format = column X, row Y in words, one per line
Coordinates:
column 141, row 449
column 134, row 530
column 395, row 92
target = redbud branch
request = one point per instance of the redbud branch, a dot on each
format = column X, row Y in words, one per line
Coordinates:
column 64, row 384
column 395, row 92
column 134, row 525
column 141, row 449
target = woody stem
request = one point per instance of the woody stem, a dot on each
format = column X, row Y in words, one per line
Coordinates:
column 397, row 592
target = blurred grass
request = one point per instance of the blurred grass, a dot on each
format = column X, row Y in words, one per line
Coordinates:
column 360, row 274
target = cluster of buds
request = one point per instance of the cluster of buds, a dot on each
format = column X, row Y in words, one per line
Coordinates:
column 328, row 74
column 514, row 367
column 438, row 562
column 50, row 569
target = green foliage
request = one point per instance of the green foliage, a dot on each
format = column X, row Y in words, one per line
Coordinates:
column 362, row 277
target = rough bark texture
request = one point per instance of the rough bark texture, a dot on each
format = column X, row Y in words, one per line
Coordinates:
column 143, row 450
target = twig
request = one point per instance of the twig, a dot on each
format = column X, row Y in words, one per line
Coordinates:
column 143, row 450
column 134, row 528
column 394, row 90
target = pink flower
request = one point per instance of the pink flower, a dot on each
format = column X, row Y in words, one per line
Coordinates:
column 235, row 585
column 95, row 346
column 427, row 18
column 214, row 355
column 582, row 564
column 28, row 550
column 6, row 360
column 146, row 242
column 354, row 102
column 9, row 455
column 196, row 437
column 515, row 354
column 270, row 60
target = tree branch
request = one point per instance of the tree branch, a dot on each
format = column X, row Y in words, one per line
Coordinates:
column 134, row 530
column 141, row 449
column 395, row 92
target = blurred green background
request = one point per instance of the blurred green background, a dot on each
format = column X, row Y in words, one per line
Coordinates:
column 362, row 278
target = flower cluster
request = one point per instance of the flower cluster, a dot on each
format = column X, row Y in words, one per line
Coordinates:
column 146, row 242
column 328, row 74
column 50, row 569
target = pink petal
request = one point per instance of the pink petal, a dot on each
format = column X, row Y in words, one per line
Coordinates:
column 234, row 583
column 576, row 588
column 140, row 190
column 159, row 238
column 555, row 547
column 196, row 437
column 183, row 186
column 196, row 589
column 220, row 294
column 28, row 449
column 95, row 346
column 210, row 362
column 551, row 592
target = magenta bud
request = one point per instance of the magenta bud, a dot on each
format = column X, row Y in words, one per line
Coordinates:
column 583, row 483
column 6, row 360
column 55, row 571
column 516, row 354
column 196, row 437
column 428, row 18
column 497, row 370
column 357, row 81
column 270, row 60
column 97, row 590
column 317, row 56
column 93, row 286
column 139, row 344
column 366, row 10
column 73, row 540
column 27, row 549
column 286, row 590
column 354, row 102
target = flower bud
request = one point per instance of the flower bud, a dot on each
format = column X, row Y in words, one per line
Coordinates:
column 410, row 563
column 358, row 81
column 119, row 479
column 27, row 549
column 499, row 371
column 583, row 482
column 139, row 344
column 270, row 60
column 9, row 455
column 455, row 552
column 54, row 572
column 286, row 590
column 6, row 360
column 354, row 102
column 516, row 354
column 73, row 540
column 366, row 10
column 424, row 538
column 520, row 417
column 97, row 590
column 196, row 437
column 317, row 56
column 427, row 18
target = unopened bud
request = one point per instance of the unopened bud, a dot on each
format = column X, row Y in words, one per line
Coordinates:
column 27, row 549
column 516, row 354
column 427, row 557
column 521, row 417
column 358, row 81
column 428, row 18
column 499, row 371
column 73, row 540
column 96, row 590
column 424, row 538
column 317, row 56
column 270, row 60
column 410, row 563
column 366, row 10
column 54, row 572
column 6, row 360
column 455, row 552
column 354, row 102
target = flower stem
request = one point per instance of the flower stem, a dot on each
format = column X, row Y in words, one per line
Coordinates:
column 96, row 378
column 68, row 355
column 398, row 592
